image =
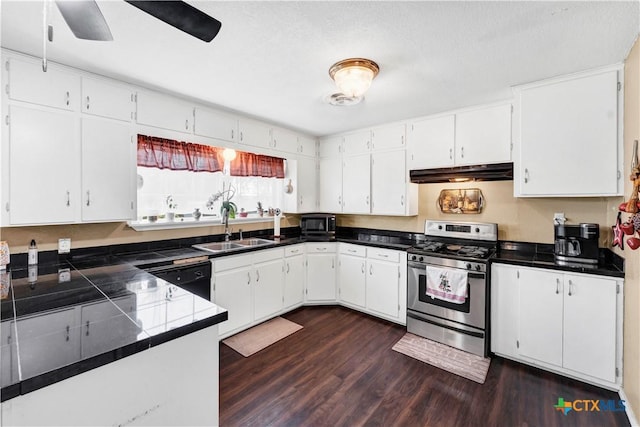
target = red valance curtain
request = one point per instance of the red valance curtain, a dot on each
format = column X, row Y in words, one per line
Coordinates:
column 250, row 164
column 178, row 155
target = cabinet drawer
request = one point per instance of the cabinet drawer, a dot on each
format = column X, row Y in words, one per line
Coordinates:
column 267, row 255
column 231, row 262
column 293, row 250
column 320, row 248
column 383, row 254
column 354, row 250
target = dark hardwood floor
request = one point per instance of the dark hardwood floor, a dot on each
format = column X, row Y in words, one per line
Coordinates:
column 340, row 371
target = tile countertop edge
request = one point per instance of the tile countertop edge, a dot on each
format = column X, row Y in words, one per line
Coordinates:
column 45, row 379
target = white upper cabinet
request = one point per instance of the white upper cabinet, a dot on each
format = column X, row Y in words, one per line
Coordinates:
column 284, row 140
column 388, row 137
column 390, row 192
column 356, row 184
column 357, row 143
column 301, row 175
column 431, row 142
column 215, row 125
column 254, row 133
column 107, row 99
column 306, row 146
column 330, row 185
column 483, row 135
column 162, row 111
column 54, row 88
column 331, row 147
column 569, row 136
column 108, row 170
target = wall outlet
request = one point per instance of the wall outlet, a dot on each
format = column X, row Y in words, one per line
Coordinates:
column 64, row 246
column 558, row 218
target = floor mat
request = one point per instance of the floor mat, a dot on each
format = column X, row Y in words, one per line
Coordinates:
column 261, row 336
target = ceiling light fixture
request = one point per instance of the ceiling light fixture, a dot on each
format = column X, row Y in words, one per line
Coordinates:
column 353, row 76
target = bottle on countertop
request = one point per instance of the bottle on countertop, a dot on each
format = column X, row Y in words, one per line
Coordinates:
column 32, row 254
column 5, row 257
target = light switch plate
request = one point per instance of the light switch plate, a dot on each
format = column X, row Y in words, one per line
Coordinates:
column 64, row 246
column 559, row 218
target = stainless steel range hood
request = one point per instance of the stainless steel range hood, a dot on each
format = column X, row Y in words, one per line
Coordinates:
column 491, row 172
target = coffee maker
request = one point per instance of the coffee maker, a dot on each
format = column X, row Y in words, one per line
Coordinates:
column 576, row 244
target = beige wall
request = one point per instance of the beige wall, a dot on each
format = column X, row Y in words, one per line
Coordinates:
column 522, row 219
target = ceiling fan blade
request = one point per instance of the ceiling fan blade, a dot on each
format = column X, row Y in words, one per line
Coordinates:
column 181, row 16
column 85, row 19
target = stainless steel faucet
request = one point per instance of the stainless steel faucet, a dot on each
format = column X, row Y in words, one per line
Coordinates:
column 225, row 221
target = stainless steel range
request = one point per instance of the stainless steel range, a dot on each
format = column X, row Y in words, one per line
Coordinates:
column 447, row 284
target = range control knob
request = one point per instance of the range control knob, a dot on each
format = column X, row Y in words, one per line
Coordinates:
column 421, row 259
column 468, row 266
column 477, row 267
column 439, row 227
column 477, row 229
column 414, row 257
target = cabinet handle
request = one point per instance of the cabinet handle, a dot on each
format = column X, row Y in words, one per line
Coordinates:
column 275, row 142
column 248, row 278
column 367, row 200
column 570, row 284
column 295, row 251
column 526, row 175
column 257, row 276
column 383, row 255
column 186, row 124
column 321, row 249
column 87, row 102
column 401, row 139
column 401, row 200
column 557, row 286
column 241, row 136
column 301, row 200
column 462, row 152
column 340, row 200
column 87, row 331
column 232, row 134
column 287, row 268
column 363, row 268
column 68, row 333
column 371, row 270
column 68, row 198
column 450, row 153
column 68, row 98
column 88, row 198
column 353, row 251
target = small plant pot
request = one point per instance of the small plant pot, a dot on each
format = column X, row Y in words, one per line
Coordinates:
column 171, row 216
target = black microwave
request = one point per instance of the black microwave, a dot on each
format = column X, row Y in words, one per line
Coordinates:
column 318, row 226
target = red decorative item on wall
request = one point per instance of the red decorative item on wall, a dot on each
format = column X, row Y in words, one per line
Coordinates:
column 618, row 234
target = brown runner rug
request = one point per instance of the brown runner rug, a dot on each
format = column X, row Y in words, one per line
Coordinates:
column 261, row 336
column 442, row 356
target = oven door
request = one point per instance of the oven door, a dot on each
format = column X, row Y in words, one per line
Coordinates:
column 471, row 312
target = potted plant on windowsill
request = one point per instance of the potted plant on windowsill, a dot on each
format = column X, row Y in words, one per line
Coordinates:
column 231, row 208
column 171, row 207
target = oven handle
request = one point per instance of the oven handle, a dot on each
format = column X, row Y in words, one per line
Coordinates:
column 423, row 267
column 443, row 325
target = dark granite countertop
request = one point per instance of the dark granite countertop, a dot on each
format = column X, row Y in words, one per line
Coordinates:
column 62, row 319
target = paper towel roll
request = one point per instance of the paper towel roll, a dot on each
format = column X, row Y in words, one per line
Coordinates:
column 276, row 225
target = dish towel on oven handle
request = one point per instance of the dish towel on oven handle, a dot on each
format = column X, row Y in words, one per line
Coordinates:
column 447, row 284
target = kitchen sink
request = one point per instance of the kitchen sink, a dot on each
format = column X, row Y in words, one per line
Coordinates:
column 254, row 242
column 220, row 246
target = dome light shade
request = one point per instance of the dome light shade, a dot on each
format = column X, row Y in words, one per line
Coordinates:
column 353, row 76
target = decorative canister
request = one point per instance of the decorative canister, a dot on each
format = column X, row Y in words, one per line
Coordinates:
column 4, row 255
column 197, row 214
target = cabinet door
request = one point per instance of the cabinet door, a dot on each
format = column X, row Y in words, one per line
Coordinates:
column 164, row 112
column 44, row 167
column 268, row 289
column 8, row 354
column 48, row 342
column 255, row 133
column 430, row 143
column 504, row 309
column 540, row 322
column 294, row 279
column 388, row 183
column 306, row 146
column 55, row 88
column 569, row 137
column 590, row 309
column 106, row 99
column 483, row 136
column 351, row 279
column 330, row 147
column 388, row 137
column 356, row 184
column 108, row 170
column 284, row 140
column 330, row 174
column 232, row 291
column 357, row 143
column 382, row 287
column 321, row 277
column 215, row 125
column 307, row 185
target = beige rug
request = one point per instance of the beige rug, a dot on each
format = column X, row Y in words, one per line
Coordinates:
column 442, row 356
column 261, row 336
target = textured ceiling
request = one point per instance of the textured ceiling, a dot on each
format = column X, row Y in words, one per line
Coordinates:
column 271, row 59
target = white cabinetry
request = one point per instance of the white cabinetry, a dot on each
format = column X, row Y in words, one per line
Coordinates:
column 284, row 140
column 306, row 146
column 55, row 88
column 330, row 175
column 44, row 166
column 294, row 276
column 301, row 173
column 568, row 136
column 232, row 290
column 356, row 143
column 389, row 137
column 352, row 275
column 268, row 275
column 107, row 99
column 356, row 184
column 431, row 142
column 321, row 272
column 391, row 194
column 566, row 323
column 254, row 133
column 214, row 124
column 108, row 170
column 163, row 111
column 386, row 283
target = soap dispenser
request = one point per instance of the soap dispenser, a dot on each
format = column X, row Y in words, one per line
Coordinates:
column 32, row 254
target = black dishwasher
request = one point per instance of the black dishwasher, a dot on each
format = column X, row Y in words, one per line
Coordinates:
column 195, row 278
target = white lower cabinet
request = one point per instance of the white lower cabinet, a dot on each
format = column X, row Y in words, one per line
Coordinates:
column 268, row 279
column 563, row 322
column 294, row 276
column 321, row 272
column 352, row 274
